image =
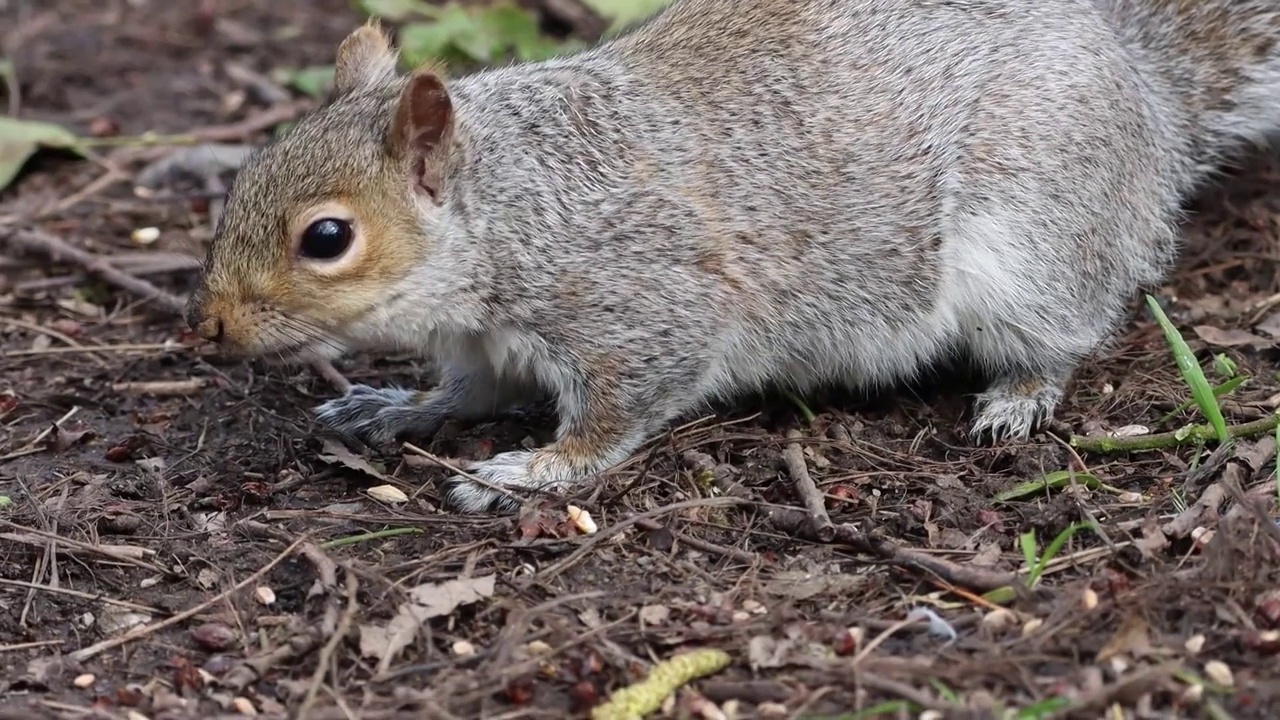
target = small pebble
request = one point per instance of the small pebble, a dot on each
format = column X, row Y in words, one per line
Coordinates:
column 264, row 595
column 462, row 648
column 85, row 680
column 1194, row 644
column 146, row 235
column 1089, row 598
column 1219, row 672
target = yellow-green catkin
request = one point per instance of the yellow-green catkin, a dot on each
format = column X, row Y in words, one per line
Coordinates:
column 636, row 701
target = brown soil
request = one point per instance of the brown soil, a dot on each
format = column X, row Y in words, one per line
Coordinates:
column 198, row 491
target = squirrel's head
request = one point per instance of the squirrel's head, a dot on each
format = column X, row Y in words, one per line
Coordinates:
column 321, row 225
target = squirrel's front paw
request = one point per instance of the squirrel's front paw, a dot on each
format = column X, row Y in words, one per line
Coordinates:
column 378, row 416
column 508, row 470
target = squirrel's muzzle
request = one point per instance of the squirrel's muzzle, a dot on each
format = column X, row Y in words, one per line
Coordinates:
column 208, row 327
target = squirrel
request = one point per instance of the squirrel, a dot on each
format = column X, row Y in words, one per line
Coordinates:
column 736, row 194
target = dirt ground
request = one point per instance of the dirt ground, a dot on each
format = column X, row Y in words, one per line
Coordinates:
column 181, row 541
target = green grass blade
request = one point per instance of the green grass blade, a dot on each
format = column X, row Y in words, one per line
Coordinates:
column 1225, row 388
column 1054, row 548
column 1052, row 481
column 1192, row 373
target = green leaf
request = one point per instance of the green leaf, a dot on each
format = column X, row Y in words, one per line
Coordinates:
column 516, row 28
column 314, row 81
column 20, row 139
column 1224, row 365
column 438, row 39
column 1052, row 481
column 1191, row 372
column 395, row 10
column 1054, row 548
column 622, row 13
column 1028, row 542
column 1225, row 388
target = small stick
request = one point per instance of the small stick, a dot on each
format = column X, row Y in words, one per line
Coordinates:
column 161, row 388
column 823, row 529
column 144, row 630
column 1160, row 441
column 330, row 647
column 57, row 249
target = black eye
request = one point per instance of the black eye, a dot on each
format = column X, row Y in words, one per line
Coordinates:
column 326, row 239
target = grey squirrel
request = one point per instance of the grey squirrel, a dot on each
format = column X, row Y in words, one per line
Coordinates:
column 734, row 194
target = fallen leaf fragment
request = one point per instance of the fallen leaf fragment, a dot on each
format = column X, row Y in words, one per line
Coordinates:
column 648, row 695
column 335, row 453
column 425, row 602
column 1228, row 338
column 387, row 494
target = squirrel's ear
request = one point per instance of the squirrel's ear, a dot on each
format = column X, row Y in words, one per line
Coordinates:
column 422, row 130
column 365, row 57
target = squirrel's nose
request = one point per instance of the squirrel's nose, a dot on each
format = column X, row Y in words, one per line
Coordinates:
column 211, row 328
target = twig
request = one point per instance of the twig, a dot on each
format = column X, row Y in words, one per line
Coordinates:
column 57, row 249
column 144, row 630
column 365, row 537
column 240, row 676
column 820, row 523
column 330, row 647
column 34, row 446
column 1160, row 441
column 703, row 545
column 82, row 595
column 161, row 388
column 795, row 522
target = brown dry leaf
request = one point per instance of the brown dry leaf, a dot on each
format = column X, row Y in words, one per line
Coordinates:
column 425, row 602
column 1228, row 338
column 1153, row 540
column 8, row 403
column 1132, row 639
column 1269, row 325
column 64, row 437
column 335, row 453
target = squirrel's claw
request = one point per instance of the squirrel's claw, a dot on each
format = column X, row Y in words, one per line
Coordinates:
column 1011, row 410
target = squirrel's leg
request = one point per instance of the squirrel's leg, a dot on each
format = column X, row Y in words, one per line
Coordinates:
column 379, row 416
column 1017, row 403
column 598, row 429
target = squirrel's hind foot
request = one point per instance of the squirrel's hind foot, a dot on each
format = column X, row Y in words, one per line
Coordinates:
column 1014, row 408
column 509, row 470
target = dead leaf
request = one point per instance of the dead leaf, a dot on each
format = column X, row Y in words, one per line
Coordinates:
column 64, row 437
column 1132, row 639
column 1269, row 325
column 1153, row 540
column 425, row 602
column 335, row 453
column 1228, row 338
column 20, row 139
column 765, row 651
column 654, row 614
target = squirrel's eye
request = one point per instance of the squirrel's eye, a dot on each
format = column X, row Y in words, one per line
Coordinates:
column 326, row 239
